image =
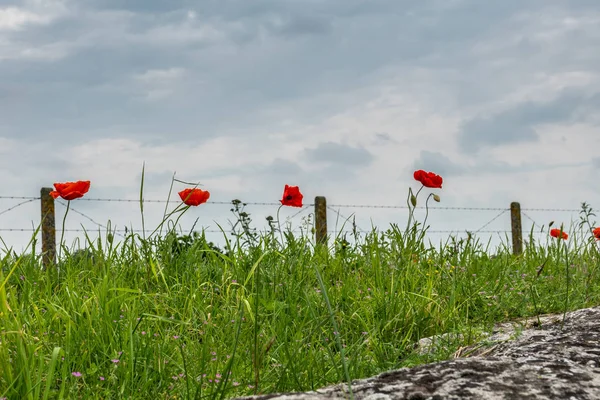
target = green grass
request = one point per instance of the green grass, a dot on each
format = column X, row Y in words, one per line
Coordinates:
column 171, row 317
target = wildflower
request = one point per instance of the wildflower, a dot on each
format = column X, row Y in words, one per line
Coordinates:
column 70, row 190
column 596, row 233
column 558, row 232
column 101, row 378
column 291, row 196
column 115, row 361
column 194, row 197
column 428, row 179
column 76, row 374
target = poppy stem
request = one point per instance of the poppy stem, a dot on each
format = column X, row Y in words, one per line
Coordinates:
column 177, row 209
column 62, row 231
column 411, row 209
column 180, row 214
column 279, row 225
column 426, row 213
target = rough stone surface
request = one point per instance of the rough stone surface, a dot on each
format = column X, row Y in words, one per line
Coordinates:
column 544, row 362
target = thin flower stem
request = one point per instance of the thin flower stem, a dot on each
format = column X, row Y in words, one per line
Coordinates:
column 426, row 215
column 411, row 207
column 62, row 232
column 177, row 209
column 279, row 225
column 167, row 203
column 180, row 215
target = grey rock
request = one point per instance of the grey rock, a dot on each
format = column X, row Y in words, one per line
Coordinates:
column 543, row 362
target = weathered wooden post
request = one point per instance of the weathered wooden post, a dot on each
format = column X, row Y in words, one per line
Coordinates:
column 321, row 220
column 517, row 232
column 48, row 229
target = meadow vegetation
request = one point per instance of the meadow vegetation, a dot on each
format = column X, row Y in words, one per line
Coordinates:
column 173, row 316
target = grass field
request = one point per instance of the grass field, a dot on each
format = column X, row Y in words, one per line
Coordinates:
column 173, row 317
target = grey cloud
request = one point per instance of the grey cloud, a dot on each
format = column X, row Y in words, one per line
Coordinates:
column 282, row 167
column 382, row 138
column 596, row 162
column 517, row 124
column 438, row 163
column 442, row 165
column 340, row 154
column 243, row 58
column 303, row 25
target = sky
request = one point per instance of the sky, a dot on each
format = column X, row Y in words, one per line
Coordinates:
column 343, row 98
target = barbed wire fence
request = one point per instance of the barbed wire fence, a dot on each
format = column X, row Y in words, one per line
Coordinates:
column 334, row 208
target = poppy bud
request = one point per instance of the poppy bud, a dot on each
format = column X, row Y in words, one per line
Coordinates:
column 436, row 198
column 413, row 200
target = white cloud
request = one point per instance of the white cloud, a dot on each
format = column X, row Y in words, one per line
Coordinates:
column 31, row 13
column 157, row 84
column 7, row 146
column 13, row 18
column 160, row 76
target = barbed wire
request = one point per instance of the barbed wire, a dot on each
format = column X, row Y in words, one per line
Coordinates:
column 219, row 231
column 492, row 220
column 117, row 231
column 345, row 218
column 29, row 199
column 20, row 197
column 117, row 200
column 551, row 209
column 85, row 216
column 296, row 214
column 16, row 206
column 535, row 224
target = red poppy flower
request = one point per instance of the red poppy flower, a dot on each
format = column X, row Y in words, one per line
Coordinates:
column 291, row 196
column 194, row 197
column 428, row 179
column 556, row 232
column 70, row 190
column 596, row 233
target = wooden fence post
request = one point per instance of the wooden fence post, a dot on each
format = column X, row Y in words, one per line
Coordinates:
column 48, row 229
column 517, row 232
column 321, row 220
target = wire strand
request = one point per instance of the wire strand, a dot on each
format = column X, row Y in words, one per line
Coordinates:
column 310, row 205
column 16, row 206
column 85, row 216
column 492, row 220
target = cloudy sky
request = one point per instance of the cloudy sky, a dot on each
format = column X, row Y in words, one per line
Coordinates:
column 344, row 98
